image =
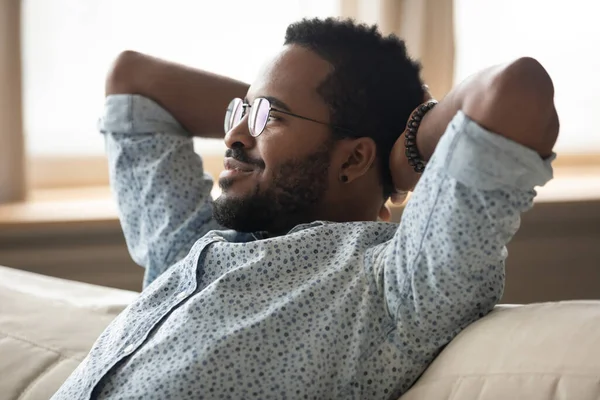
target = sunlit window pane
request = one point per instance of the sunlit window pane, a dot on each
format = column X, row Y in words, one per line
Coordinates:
column 68, row 46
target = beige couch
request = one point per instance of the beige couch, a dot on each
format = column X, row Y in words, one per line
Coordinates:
column 539, row 351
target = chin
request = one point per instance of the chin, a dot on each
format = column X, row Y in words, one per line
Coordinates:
column 244, row 210
column 238, row 186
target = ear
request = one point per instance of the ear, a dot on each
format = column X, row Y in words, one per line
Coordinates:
column 357, row 157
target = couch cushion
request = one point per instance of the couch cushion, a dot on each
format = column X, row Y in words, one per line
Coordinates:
column 535, row 352
column 47, row 326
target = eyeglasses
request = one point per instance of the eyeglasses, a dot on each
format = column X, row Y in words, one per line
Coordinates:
column 260, row 111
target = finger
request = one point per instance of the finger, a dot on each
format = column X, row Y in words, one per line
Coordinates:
column 385, row 214
column 398, row 197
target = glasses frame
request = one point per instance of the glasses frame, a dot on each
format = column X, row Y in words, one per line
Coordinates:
column 245, row 106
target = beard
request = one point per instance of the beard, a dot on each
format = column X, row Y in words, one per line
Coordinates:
column 297, row 190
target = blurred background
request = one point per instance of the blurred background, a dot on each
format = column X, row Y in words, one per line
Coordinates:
column 57, row 216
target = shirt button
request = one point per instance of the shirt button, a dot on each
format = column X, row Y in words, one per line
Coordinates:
column 129, row 349
column 181, row 295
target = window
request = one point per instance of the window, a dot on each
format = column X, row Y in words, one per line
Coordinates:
column 563, row 36
column 68, row 46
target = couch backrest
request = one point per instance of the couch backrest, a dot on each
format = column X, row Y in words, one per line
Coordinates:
column 47, row 327
column 535, row 352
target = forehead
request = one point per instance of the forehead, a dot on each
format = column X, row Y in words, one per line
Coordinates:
column 293, row 76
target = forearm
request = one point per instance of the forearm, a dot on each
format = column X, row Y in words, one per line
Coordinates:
column 196, row 98
column 514, row 100
column 445, row 266
column 436, row 121
column 162, row 193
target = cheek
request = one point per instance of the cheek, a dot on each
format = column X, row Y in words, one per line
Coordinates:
column 280, row 148
column 277, row 149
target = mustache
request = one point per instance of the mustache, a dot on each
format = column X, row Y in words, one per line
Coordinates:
column 238, row 154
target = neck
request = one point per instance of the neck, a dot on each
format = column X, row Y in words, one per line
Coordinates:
column 353, row 208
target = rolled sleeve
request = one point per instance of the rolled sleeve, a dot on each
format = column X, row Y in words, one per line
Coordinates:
column 484, row 160
column 161, row 189
column 444, row 268
column 125, row 113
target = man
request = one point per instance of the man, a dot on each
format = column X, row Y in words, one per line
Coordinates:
column 286, row 286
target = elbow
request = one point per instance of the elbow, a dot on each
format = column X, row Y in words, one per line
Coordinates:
column 524, row 85
column 528, row 96
column 120, row 77
column 517, row 102
column 527, row 77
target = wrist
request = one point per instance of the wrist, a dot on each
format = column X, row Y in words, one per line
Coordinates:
column 415, row 158
column 407, row 161
column 426, row 137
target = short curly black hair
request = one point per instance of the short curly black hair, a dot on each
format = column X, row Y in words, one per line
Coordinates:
column 374, row 85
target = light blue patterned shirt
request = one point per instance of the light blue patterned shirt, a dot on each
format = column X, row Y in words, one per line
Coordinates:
column 351, row 310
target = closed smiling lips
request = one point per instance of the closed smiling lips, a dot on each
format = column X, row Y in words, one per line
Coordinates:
column 233, row 164
column 235, row 168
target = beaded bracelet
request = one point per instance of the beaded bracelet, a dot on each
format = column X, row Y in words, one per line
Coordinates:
column 410, row 138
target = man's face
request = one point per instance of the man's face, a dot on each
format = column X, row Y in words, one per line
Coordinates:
column 284, row 174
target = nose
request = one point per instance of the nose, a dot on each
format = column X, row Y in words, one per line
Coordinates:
column 240, row 135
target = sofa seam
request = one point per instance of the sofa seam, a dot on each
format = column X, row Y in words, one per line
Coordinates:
column 46, row 370
column 33, row 343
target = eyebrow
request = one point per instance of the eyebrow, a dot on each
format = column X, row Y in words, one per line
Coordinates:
column 275, row 102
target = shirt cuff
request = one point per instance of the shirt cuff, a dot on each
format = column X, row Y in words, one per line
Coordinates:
column 484, row 160
column 132, row 113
